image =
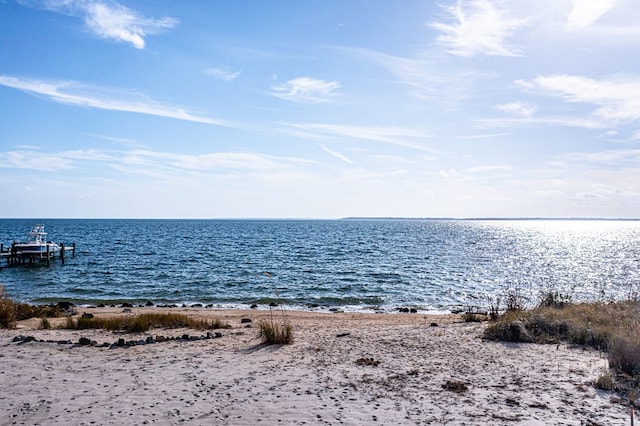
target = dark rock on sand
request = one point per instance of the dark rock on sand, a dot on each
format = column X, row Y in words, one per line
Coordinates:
column 245, row 320
column 149, row 303
column 87, row 315
column 84, row 341
column 65, row 306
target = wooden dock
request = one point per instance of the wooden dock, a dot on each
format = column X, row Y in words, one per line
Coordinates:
column 13, row 257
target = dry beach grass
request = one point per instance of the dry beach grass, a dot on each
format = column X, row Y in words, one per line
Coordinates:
column 342, row 368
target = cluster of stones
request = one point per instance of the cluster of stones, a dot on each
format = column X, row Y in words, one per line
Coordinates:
column 408, row 310
column 121, row 343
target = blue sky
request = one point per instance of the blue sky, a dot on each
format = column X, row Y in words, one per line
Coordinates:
column 319, row 109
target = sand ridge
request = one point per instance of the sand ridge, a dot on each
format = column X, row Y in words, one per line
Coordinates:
column 419, row 375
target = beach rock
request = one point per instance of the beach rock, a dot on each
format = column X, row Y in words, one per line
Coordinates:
column 84, row 341
column 404, row 310
column 245, row 320
column 101, row 305
column 149, row 303
column 254, row 306
column 126, row 311
column 65, row 306
column 161, row 339
column 413, row 311
column 87, row 315
column 150, row 339
column 126, row 305
column 121, row 342
column 455, row 386
column 17, row 338
column 185, row 337
column 197, row 305
column 368, row 362
column 434, row 324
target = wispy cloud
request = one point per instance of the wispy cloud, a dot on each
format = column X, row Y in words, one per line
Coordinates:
column 222, row 73
column 36, row 160
column 109, row 19
column 401, row 136
column 610, row 159
column 156, row 164
column 585, row 12
column 306, row 90
column 617, row 100
column 429, row 75
column 77, row 94
column 517, row 108
column 335, row 154
column 478, row 27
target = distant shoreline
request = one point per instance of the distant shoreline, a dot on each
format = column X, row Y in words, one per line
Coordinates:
column 301, row 219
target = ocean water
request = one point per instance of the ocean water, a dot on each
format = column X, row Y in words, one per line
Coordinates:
column 359, row 265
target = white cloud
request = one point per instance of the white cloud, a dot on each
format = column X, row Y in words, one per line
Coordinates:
column 478, row 27
column 517, row 108
column 111, row 20
column 335, row 154
column 35, row 160
column 617, row 100
column 222, row 73
column 73, row 93
column 401, row 136
column 306, row 90
column 425, row 76
column 586, row 12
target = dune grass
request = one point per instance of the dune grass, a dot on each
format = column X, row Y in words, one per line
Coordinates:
column 12, row 311
column 276, row 331
column 612, row 327
column 144, row 322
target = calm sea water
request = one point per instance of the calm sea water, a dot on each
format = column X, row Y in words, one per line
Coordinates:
column 433, row 265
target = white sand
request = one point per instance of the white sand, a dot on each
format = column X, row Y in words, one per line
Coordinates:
column 236, row 381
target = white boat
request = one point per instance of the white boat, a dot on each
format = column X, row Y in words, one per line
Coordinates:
column 37, row 245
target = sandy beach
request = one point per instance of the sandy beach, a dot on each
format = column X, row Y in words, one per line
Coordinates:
column 343, row 368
